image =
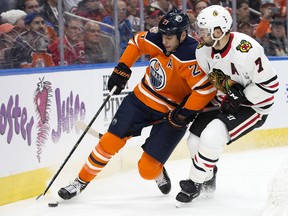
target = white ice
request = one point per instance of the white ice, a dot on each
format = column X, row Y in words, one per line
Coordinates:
column 241, row 191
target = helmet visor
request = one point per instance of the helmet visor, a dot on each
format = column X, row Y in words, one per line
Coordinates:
column 202, row 32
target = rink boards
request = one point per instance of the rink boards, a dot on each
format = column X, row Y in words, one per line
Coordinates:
column 39, row 109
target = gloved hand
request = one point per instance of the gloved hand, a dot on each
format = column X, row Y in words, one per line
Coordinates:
column 119, row 77
column 179, row 118
column 220, row 80
column 231, row 102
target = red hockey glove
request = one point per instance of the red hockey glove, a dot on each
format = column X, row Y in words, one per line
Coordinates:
column 119, row 77
column 235, row 96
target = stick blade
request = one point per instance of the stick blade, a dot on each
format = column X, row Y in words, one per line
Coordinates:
column 82, row 126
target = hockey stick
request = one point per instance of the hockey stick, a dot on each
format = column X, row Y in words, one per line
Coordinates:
column 79, row 140
column 82, row 126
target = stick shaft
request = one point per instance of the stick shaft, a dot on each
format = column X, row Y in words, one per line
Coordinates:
column 79, row 141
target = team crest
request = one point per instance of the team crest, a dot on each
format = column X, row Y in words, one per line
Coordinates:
column 244, row 46
column 215, row 13
column 157, row 74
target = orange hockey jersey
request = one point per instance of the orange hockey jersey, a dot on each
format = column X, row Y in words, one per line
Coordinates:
column 169, row 79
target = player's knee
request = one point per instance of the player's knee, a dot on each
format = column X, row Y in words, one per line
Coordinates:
column 111, row 143
column 148, row 167
column 193, row 142
column 215, row 136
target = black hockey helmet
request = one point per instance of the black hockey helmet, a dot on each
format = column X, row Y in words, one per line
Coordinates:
column 174, row 23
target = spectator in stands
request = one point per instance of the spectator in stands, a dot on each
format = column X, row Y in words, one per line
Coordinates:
column 198, row 6
column 7, row 40
column 29, row 6
column 6, row 5
column 69, row 5
column 98, row 47
column 73, row 43
column 179, row 4
column 16, row 18
column 282, row 6
column 30, row 49
column 152, row 17
column 255, row 9
column 275, row 43
column 50, row 12
column 267, row 10
column 5, row 29
column 163, row 5
column 32, row 6
column 243, row 13
column 133, row 14
column 246, row 28
column 124, row 25
column 192, row 20
column 90, row 9
column 223, row 3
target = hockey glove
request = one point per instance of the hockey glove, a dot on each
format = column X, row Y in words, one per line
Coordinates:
column 119, row 77
column 231, row 102
column 220, row 80
column 179, row 118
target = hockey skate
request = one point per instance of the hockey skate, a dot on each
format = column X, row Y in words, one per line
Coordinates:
column 209, row 187
column 164, row 182
column 73, row 189
column 189, row 191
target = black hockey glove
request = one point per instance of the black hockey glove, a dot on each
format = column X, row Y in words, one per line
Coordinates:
column 119, row 77
column 235, row 96
column 179, row 118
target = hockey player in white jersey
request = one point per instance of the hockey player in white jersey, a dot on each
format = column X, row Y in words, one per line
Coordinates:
column 246, row 83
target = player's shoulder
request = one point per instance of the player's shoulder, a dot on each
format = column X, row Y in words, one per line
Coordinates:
column 186, row 50
column 153, row 37
column 202, row 50
column 244, row 43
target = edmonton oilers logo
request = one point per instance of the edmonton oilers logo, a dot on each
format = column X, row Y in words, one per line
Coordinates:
column 157, row 74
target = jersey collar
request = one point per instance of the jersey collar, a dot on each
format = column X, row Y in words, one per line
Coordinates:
column 223, row 52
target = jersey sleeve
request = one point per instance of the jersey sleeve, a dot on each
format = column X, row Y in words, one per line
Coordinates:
column 135, row 48
column 202, row 90
column 264, row 79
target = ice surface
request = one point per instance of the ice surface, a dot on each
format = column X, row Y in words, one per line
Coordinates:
column 241, row 191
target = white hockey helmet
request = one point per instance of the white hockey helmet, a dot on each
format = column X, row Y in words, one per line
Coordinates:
column 214, row 16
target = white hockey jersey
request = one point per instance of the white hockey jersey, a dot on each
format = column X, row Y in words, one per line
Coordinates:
column 243, row 59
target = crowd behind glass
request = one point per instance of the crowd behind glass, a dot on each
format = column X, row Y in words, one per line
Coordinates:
column 44, row 33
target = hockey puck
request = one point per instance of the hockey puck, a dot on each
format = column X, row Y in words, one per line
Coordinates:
column 53, row 204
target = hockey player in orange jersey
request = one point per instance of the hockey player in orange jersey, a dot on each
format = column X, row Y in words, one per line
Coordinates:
column 173, row 88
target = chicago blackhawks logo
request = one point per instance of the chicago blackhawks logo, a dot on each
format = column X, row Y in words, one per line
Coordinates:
column 215, row 13
column 244, row 46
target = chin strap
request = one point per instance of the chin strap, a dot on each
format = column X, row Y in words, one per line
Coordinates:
column 217, row 39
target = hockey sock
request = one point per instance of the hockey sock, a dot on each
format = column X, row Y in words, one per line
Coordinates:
column 97, row 160
column 108, row 145
column 193, row 143
column 202, row 164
